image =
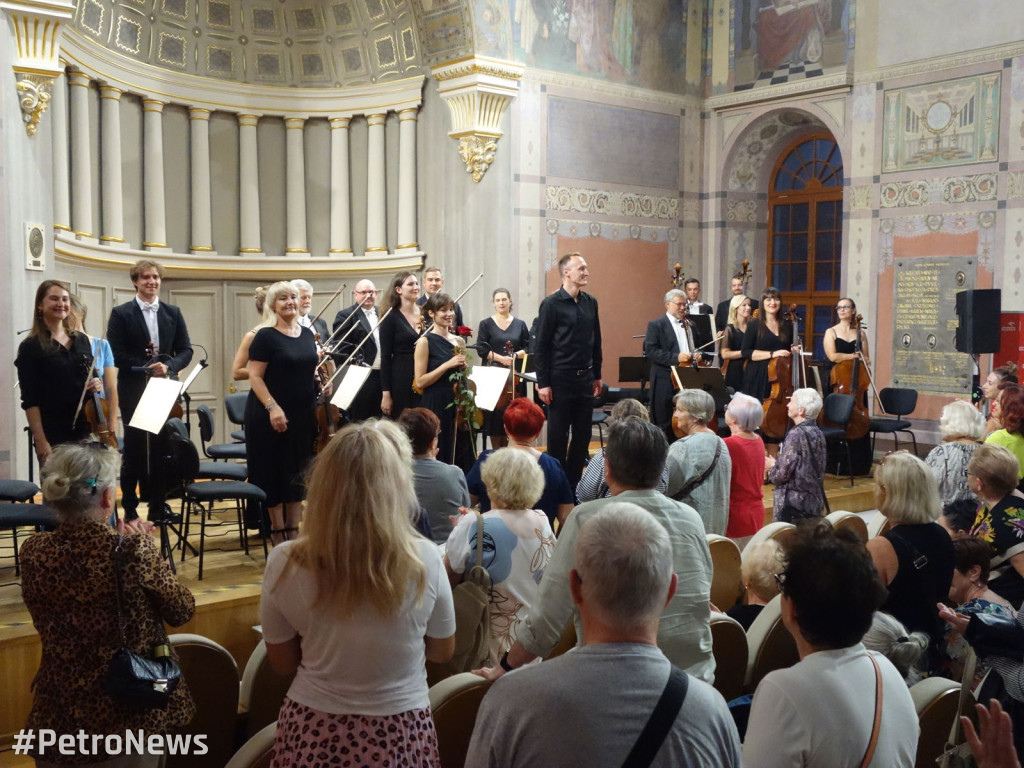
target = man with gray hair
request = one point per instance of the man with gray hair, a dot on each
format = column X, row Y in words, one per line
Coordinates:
column 306, row 309
column 590, row 706
column 634, row 458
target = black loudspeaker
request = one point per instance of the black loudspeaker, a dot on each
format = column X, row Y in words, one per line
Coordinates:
column 978, row 331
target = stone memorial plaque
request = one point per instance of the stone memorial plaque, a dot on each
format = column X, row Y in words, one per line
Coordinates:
column 924, row 326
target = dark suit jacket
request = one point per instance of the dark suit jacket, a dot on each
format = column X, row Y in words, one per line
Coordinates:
column 662, row 349
column 344, row 319
column 722, row 313
column 129, row 337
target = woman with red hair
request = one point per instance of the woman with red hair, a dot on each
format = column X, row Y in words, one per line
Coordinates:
column 523, row 422
column 1011, row 416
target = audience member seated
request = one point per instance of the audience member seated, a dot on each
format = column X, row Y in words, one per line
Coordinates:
column 518, row 544
column 699, row 466
column 1011, row 416
column 592, row 486
column 634, row 457
column 440, row 488
column 903, row 648
column 799, row 472
column 915, row 558
column 524, row 421
column 355, row 607
column 962, row 428
column 821, row 711
column 761, row 563
column 589, row 707
column 958, row 517
column 743, row 416
column 993, row 475
column 69, row 582
column 990, row 388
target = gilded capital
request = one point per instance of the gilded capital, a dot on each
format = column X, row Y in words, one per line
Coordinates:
column 477, row 152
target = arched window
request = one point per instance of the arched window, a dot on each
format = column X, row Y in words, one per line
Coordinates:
column 805, row 232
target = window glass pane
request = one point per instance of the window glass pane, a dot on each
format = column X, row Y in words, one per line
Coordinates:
column 798, row 277
column 826, row 216
column 823, row 148
column 798, row 248
column 805, row 152
column 822, row 322
column 801, row 217
column 782, row 218
column 780, row 276
column 824, row 242
column 780, row 248
column 793, row 163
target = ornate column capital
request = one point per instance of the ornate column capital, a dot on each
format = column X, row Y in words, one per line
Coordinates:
column 37, row 27
column 477, row 90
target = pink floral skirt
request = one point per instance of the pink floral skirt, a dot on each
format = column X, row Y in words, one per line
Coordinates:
column 308, row 738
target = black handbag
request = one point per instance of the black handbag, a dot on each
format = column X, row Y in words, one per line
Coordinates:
column 992, row 634
column 133, row 679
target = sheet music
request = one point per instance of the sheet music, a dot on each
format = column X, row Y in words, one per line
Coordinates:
column 351, row 382
column 490, row 381
column 155, row 404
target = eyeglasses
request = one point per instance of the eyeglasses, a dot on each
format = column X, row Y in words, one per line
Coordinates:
column 365, row 293
column 844, row 306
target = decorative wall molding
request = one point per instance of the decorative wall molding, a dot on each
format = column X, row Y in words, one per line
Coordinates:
column 37, row 26
column 931, row 66
column 758, row 96
column 603, row 202
column 577, row 229
column 1015, row 185
column 983, row 223
column 618, row 91
column 861, row 196
column 981, row 187
column 477, row 91
column 741, row 211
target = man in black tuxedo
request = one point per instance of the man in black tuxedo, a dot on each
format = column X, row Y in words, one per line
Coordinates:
column 306, row 307
column 722, row 313
column 363, row 315
column 670, row 341
column 433, row 282
column 132, row 327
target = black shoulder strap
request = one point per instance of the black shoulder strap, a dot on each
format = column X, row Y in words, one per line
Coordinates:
column 660, row 722
column 687, row 489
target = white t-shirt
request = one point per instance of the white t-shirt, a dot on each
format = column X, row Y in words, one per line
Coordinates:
column 367, row 664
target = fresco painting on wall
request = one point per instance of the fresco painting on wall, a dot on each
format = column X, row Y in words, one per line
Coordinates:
column 777, row 41
column 953, row 122
column 639, row 42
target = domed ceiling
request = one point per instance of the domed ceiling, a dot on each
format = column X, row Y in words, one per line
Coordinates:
column 308, row 43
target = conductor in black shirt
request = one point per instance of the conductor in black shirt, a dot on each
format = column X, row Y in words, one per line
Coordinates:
column 568, row 362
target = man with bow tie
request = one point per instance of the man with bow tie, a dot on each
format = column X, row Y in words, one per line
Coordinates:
column 670, row 341
column 132, row 327
column 363, row 314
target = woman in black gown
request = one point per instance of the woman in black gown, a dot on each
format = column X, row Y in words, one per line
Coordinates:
column 502, row 338
column 732, row 341
column 841, row 339
column 279, row 420
column 437, row 355
column 398, row 334
column 767, row 336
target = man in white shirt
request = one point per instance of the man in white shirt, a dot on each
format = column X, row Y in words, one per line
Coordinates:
column 353, row 324
column 695, row 305
column 306, row 309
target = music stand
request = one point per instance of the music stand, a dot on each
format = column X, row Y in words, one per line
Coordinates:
column 710, row 380
column 636, row 369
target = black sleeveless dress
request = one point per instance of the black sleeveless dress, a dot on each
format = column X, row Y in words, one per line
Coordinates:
column 439, row 397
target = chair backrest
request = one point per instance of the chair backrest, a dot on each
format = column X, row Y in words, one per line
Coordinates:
column 184, row 459
column 212, row 677
column 778, row 531
column 258, row 751
column 878, row 525
column 262, row 691
column 726, row 583
column 205, row 424
column 769, row 644
column 936, row 700
column 838, row 408
column 729, row 646
column 898, row 401
column 454, row 703
column 234, row 407
column 854, row 522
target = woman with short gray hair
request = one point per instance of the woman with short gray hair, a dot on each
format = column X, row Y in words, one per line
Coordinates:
column 962, row 428
column 592, row 485
column 699, row 466
column 799, row 472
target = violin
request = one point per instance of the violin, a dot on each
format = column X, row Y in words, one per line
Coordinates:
column 785, row 377
column 509, row 392
column 152, row 352
column 97, row 413
column 328, row 416
column 850, row 377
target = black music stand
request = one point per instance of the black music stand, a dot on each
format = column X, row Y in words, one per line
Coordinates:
column 636, row 369
column 708, row 379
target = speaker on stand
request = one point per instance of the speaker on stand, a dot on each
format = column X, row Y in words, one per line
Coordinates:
column 979, row 327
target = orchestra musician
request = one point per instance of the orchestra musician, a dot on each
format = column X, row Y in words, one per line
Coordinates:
column 437, row 355
column 433, row 282
column 279, row 423
column 53, row 365
column 103, row 362
column 497, row 335
column 767, row 336
column 731, row 349
column 318, row 326
column 722, row 312
column 696, row 307
column 240, row 365
column 841, row 339
column 363, row 315
column 670, row 340
column 145, row 323
column 398, row 333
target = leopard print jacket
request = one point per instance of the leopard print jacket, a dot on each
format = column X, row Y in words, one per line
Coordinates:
column 69, row 587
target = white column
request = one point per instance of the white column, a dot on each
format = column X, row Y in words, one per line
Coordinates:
column 81, row 158
column 341, row 207
column 248, row 179
column 376, row 200
column 59, row 165
column 110, row 169
column 202, row 216
column 295, row 186
column 153, row 175
column 407, row 180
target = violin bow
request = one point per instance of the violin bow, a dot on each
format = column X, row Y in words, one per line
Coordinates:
column 345, row 362
column 867, row 369
column 81, row 397
column 330, row 301
column 426, row 328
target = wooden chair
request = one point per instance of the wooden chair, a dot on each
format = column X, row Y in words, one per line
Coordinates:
column 258, row 751
column 769, row 645
column 729, row 645
column 854, row 522
column 726, row 583
column 879, row 525
column 778, row 531
column 261, row 693
column 454, row 703
column 212, row 677
column 936, row 700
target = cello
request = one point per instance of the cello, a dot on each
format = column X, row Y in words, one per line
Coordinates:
column 850, row 377
column 785, row 377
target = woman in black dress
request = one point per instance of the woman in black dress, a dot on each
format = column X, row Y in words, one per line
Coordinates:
column 398, row 334
column 53, row 365
column 841, row 339
column 732, row 341
column 279, row 421
column 437, row 355
column 502, row 338
column 767, row 336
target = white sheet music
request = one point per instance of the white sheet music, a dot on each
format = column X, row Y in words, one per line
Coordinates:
column 352, row 381
column 490, row 381
column 156, row 403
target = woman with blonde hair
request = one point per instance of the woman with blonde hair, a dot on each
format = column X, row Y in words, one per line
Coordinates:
column 915, row 558
column 240, row 365
column 761, row 562
column 962, row 428
column 355, row 607
column 732, row 340
column 992, row 475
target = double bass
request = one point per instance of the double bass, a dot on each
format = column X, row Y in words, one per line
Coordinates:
column 785, row 375
column 851, row 377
